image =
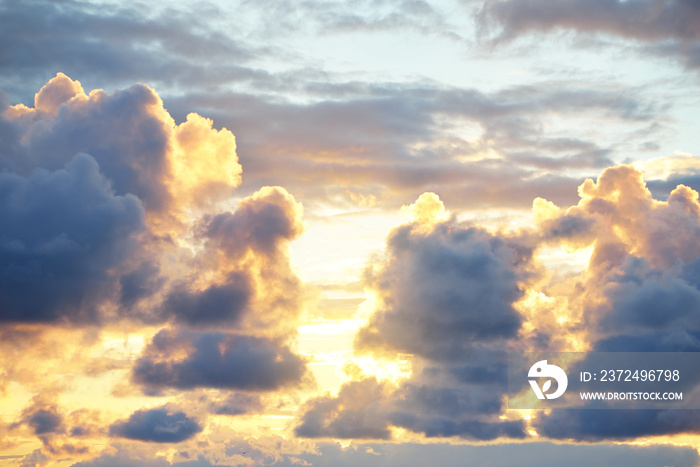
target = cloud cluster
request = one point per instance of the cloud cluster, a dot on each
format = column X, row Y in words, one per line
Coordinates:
column 118, row 189
column 639, row 292
column 445, row 295
column 641, row 277
column 456, row 298
column 115, row 215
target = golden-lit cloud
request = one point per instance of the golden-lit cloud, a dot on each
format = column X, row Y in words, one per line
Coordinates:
column 147, row 313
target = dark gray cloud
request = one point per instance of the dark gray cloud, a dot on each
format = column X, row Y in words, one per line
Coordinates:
column 463, row 398
column 63, row 235
column 158, row 425
column 674, row 341
column 216, row 304
column 641, row 297
column 216, row 360
column 140, row 283
column 662, row 188
column 472, row 429
column 605, row 424
column 671, row 26
column 42, row 417
column 446, row 291
column 261, row 223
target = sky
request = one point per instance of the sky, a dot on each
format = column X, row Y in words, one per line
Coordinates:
column 307, row 232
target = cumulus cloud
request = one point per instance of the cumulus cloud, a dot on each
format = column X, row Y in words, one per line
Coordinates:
column 188, row 360
column 446, row 295
column 116, row 216
column 158, row 425
column 261, row 222
column 641, row 276
column 113, row 214
column 443, row 289
column 134, row 140
column 216, row 304
column 245, row 278
column 456, row 297
column 63, row 238
column 639, row 291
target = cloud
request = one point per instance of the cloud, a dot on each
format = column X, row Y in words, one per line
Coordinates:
column 639, row 292
column 345, row 17
column 393, row 141
column 455, row 297
column 63, row 238
column 445, row 289
column 640, row 19
column 498, row 455
column 43, row 417
column 215, row 304
column 128, row 44
column 261, row 222
column 651, row 299
column 158, row 425
column 445, row 295
column 116, row 217
column 673, row 25
column 241, row 276
column 237, row 404
column 155, row 184
column 187, row 360
column 356, row 413
column 641, row 277
column 55, row 93
column 594, row 425
column 134, row 140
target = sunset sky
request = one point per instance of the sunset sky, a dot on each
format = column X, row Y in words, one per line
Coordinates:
column 281, row 232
